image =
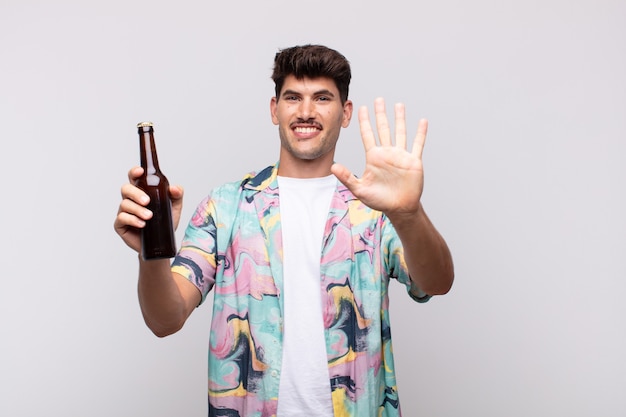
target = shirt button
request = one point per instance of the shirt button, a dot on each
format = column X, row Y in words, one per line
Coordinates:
column 274, row 374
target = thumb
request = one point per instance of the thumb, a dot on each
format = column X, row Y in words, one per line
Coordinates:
column 344, row 175
column 176, row 192
column 176, row 195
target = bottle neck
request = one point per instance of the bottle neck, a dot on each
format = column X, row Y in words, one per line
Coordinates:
column 149, row 159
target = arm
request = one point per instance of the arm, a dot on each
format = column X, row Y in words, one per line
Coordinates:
column 393, row 182
column 166, row 299
column 426, row 253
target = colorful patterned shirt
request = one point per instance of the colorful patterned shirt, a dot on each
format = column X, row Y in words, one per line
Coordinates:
column 233, row 245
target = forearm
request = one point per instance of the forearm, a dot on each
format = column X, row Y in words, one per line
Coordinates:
column 426, row 253
column 163, row 305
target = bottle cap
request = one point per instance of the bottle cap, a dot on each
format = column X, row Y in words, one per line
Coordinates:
column 145, row 124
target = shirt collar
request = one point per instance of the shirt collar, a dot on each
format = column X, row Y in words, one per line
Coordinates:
column 266, row 180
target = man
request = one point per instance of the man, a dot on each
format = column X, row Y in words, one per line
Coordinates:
column 299, row 262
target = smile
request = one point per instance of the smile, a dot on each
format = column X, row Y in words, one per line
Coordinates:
column 305, row 130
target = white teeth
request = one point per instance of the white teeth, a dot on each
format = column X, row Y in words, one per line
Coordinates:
column 305, row 129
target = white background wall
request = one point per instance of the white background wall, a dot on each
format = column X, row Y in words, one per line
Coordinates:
column 524, row 177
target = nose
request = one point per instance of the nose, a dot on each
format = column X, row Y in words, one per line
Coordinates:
column 306, row 109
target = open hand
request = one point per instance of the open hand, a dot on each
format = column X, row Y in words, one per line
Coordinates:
column 393, row 180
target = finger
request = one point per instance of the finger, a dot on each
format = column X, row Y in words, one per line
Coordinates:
column 382, row 125
column 420, row 138
column 134, row 173
column 176, row 192
column 134, row 193
column 367, row 134
column 135, row 210
column 125, row 220
column 344, row 175
column 400, row 126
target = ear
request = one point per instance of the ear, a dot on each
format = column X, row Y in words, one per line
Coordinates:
column 273, row 104
column 347, row 113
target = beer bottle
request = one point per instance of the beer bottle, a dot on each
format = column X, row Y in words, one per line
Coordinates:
column 157, row 236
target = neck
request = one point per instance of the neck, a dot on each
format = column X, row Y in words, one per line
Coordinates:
column 305, row 168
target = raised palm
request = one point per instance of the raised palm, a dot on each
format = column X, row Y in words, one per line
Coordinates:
column 393, row 179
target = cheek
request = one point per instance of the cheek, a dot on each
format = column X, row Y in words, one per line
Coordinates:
column 280, row 115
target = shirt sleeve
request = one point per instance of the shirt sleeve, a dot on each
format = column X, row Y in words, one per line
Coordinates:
column 395, row 264
column 196, row 260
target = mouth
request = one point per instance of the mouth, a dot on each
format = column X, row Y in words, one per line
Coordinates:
column 306, row 130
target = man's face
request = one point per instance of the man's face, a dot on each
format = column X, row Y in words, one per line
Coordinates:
column 309, row 116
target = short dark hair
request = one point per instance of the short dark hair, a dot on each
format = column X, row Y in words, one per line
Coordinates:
column 312, row 61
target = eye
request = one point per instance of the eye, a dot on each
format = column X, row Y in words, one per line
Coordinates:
column 291, row 97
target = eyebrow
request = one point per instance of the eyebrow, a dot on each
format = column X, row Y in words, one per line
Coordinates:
column 317, row 93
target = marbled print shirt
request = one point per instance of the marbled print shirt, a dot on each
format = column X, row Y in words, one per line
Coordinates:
column 233, row 245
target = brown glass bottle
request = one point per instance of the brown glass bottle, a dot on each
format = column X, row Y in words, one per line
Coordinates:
column 157, row 237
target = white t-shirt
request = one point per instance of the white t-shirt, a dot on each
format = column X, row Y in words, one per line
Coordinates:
column 304, row 389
